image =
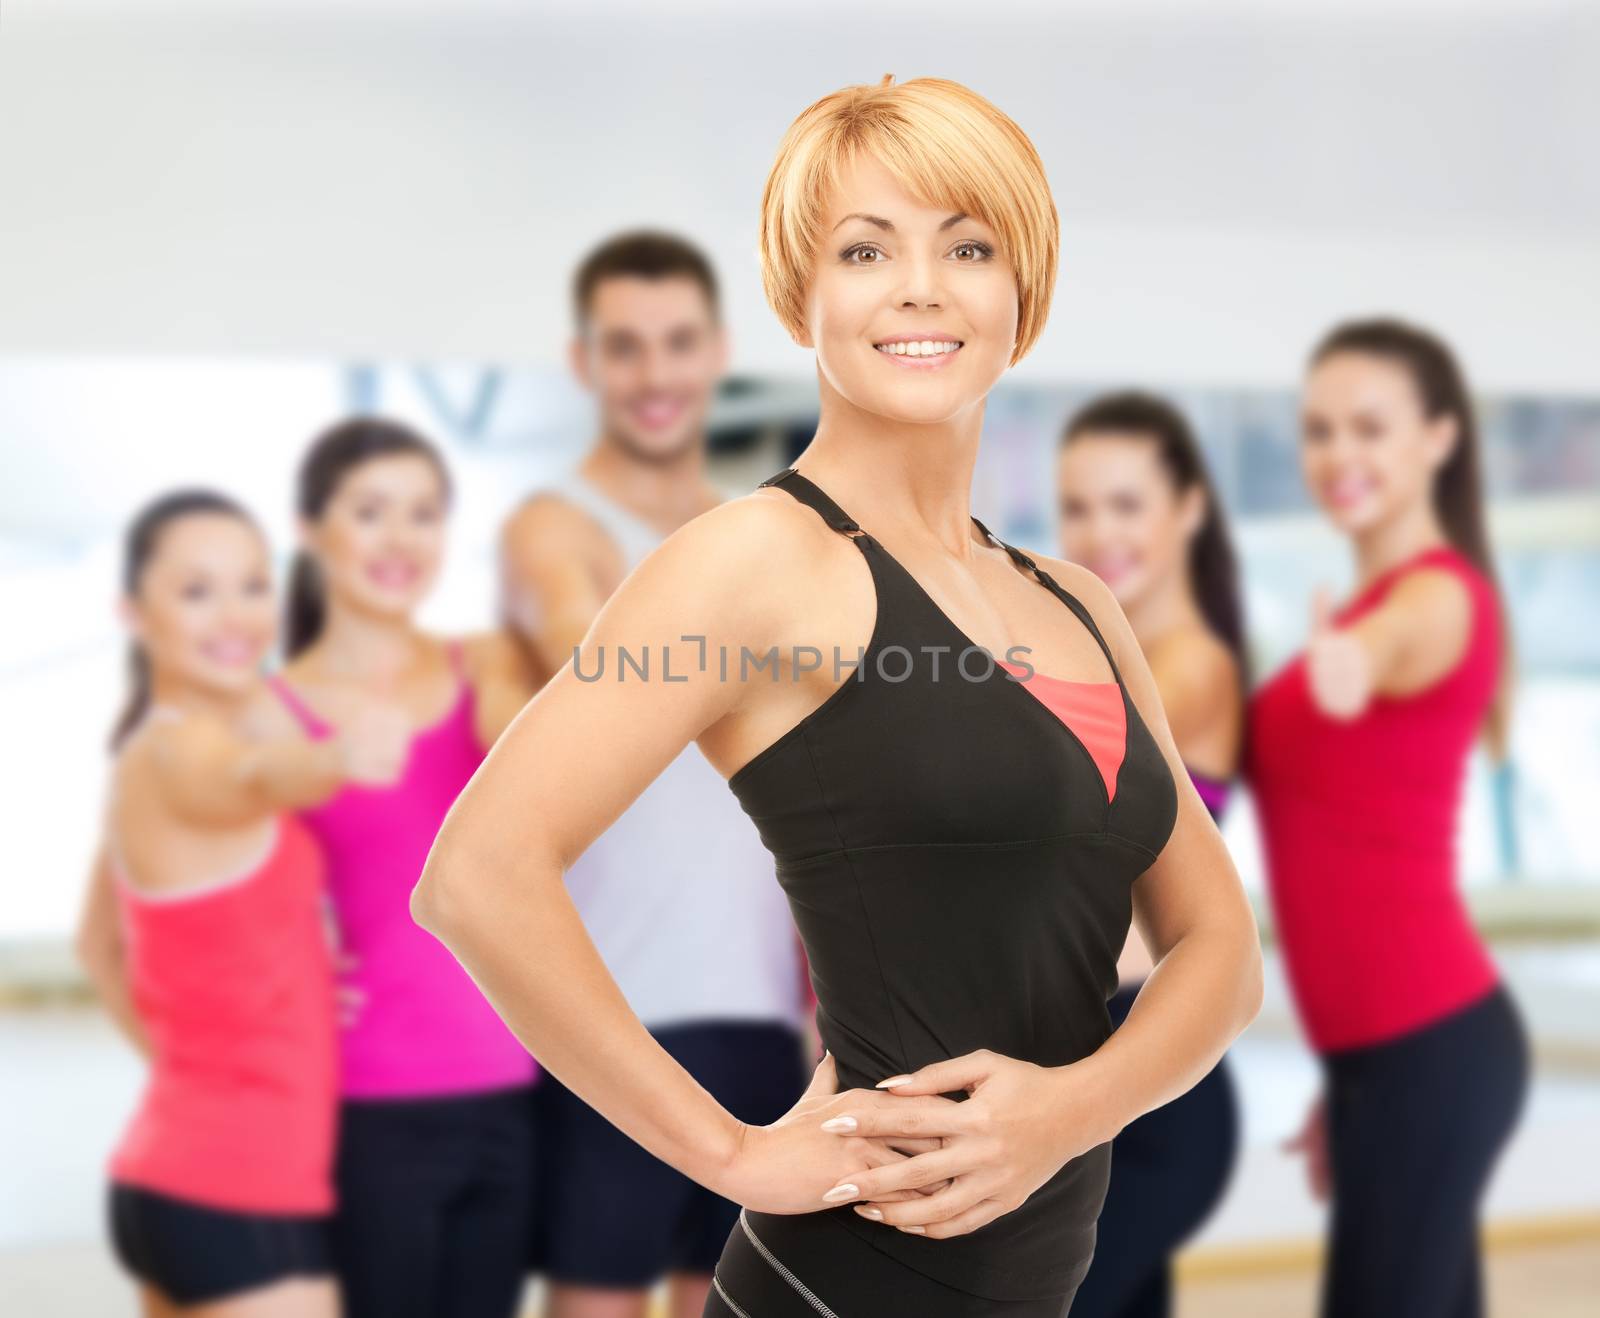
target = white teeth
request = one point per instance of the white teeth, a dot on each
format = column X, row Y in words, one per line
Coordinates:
column 919, row 348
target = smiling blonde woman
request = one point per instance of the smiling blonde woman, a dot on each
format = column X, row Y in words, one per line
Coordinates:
column 962, row 838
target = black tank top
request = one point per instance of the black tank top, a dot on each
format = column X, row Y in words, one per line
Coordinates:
column 960, row 881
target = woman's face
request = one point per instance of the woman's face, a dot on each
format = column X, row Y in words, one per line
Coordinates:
column 205, row 612
column 912, row 308
column 380, row 540
column 1368, row 452
column 1121, row 515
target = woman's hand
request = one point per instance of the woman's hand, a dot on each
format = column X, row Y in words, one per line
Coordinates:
column 1338, row 668
column 789, row 1166
column 374, row 743
column 1021, row 1124
column 1313, row 1142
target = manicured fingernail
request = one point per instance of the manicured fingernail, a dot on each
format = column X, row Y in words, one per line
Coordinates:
column 873, row 1213
column 892, row 1081
column 842, row 1192
column 916, row 1230
column 839, row 1123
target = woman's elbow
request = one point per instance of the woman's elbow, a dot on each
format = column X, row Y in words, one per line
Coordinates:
column 437, row 901
column 1252, row 980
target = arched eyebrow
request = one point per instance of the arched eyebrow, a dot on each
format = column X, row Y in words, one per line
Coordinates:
column 881, row 223
column 877, row 220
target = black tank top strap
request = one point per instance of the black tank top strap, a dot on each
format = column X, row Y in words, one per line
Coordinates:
column 1060, row 592
column 792, row 482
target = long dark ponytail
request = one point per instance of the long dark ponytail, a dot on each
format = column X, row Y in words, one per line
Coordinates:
column 139, row 545
column 332, row 456
column 1458, row 485
column 1213, row 565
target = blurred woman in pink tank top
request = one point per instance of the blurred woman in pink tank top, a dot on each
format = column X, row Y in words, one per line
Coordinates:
column 206, row 933
column 435, row 1151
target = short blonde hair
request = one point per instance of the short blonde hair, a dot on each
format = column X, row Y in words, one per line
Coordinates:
column 945, row 145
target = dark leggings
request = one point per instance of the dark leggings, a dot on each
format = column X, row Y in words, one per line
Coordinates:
column 1168, row 1170
column 807, row 1266
column 435, row 1199
column 1415, row 1126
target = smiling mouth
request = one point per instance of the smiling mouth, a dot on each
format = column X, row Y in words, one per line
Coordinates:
column 919, row 347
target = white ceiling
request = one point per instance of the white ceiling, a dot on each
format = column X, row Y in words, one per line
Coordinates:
column 418, row 178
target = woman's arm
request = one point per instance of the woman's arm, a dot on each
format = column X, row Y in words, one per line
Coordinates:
column 1023, row 1122
column 570, row 763
column 209, row 773
column 100, row 952
column 1191, row 910
column 1202, row 698
column 1417, row 635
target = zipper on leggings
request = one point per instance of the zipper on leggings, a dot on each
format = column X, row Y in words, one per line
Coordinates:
column 726, row 1298
column 800, row 1288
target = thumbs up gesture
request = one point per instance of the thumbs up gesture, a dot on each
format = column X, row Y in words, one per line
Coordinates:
column 1338, row 669
column 375, row 742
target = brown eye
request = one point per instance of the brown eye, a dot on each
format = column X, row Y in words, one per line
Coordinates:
column 862, row 254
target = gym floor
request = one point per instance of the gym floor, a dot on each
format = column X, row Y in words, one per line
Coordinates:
column 68, row 1083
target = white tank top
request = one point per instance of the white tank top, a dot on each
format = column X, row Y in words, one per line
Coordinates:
column 679, row 894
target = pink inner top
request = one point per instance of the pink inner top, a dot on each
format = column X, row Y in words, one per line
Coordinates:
column 1092, row 711
column 423, row 1027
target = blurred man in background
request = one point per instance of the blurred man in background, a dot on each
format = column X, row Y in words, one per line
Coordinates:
column 679, row 894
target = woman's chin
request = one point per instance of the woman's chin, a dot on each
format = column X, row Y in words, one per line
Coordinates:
column 913, row 408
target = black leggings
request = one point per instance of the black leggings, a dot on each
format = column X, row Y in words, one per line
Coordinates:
column 1168, row 1170
column 1415, row 1126
column 435, row 1201
column 807, row 1266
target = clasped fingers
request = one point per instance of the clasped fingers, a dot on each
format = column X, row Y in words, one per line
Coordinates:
column 963, row 1206
column 886, row 1117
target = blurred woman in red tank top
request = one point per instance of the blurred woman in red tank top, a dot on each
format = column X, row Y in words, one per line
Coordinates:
column 205, row 931
column 1357, row 756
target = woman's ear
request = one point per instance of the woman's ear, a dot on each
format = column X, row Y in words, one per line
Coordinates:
column 1444, row 433
column 1192, row 510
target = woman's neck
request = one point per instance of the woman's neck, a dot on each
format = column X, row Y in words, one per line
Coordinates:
column 1402, row 537
column 363, row 647
column 895, row 474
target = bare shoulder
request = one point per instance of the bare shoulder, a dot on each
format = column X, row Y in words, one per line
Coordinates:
column 760, row 544
column 1193, row 663
column 1427, row 599
column 546, row 519
column 490, row 654
column 485, row 649
column 1094, row 595
column 169, row 746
